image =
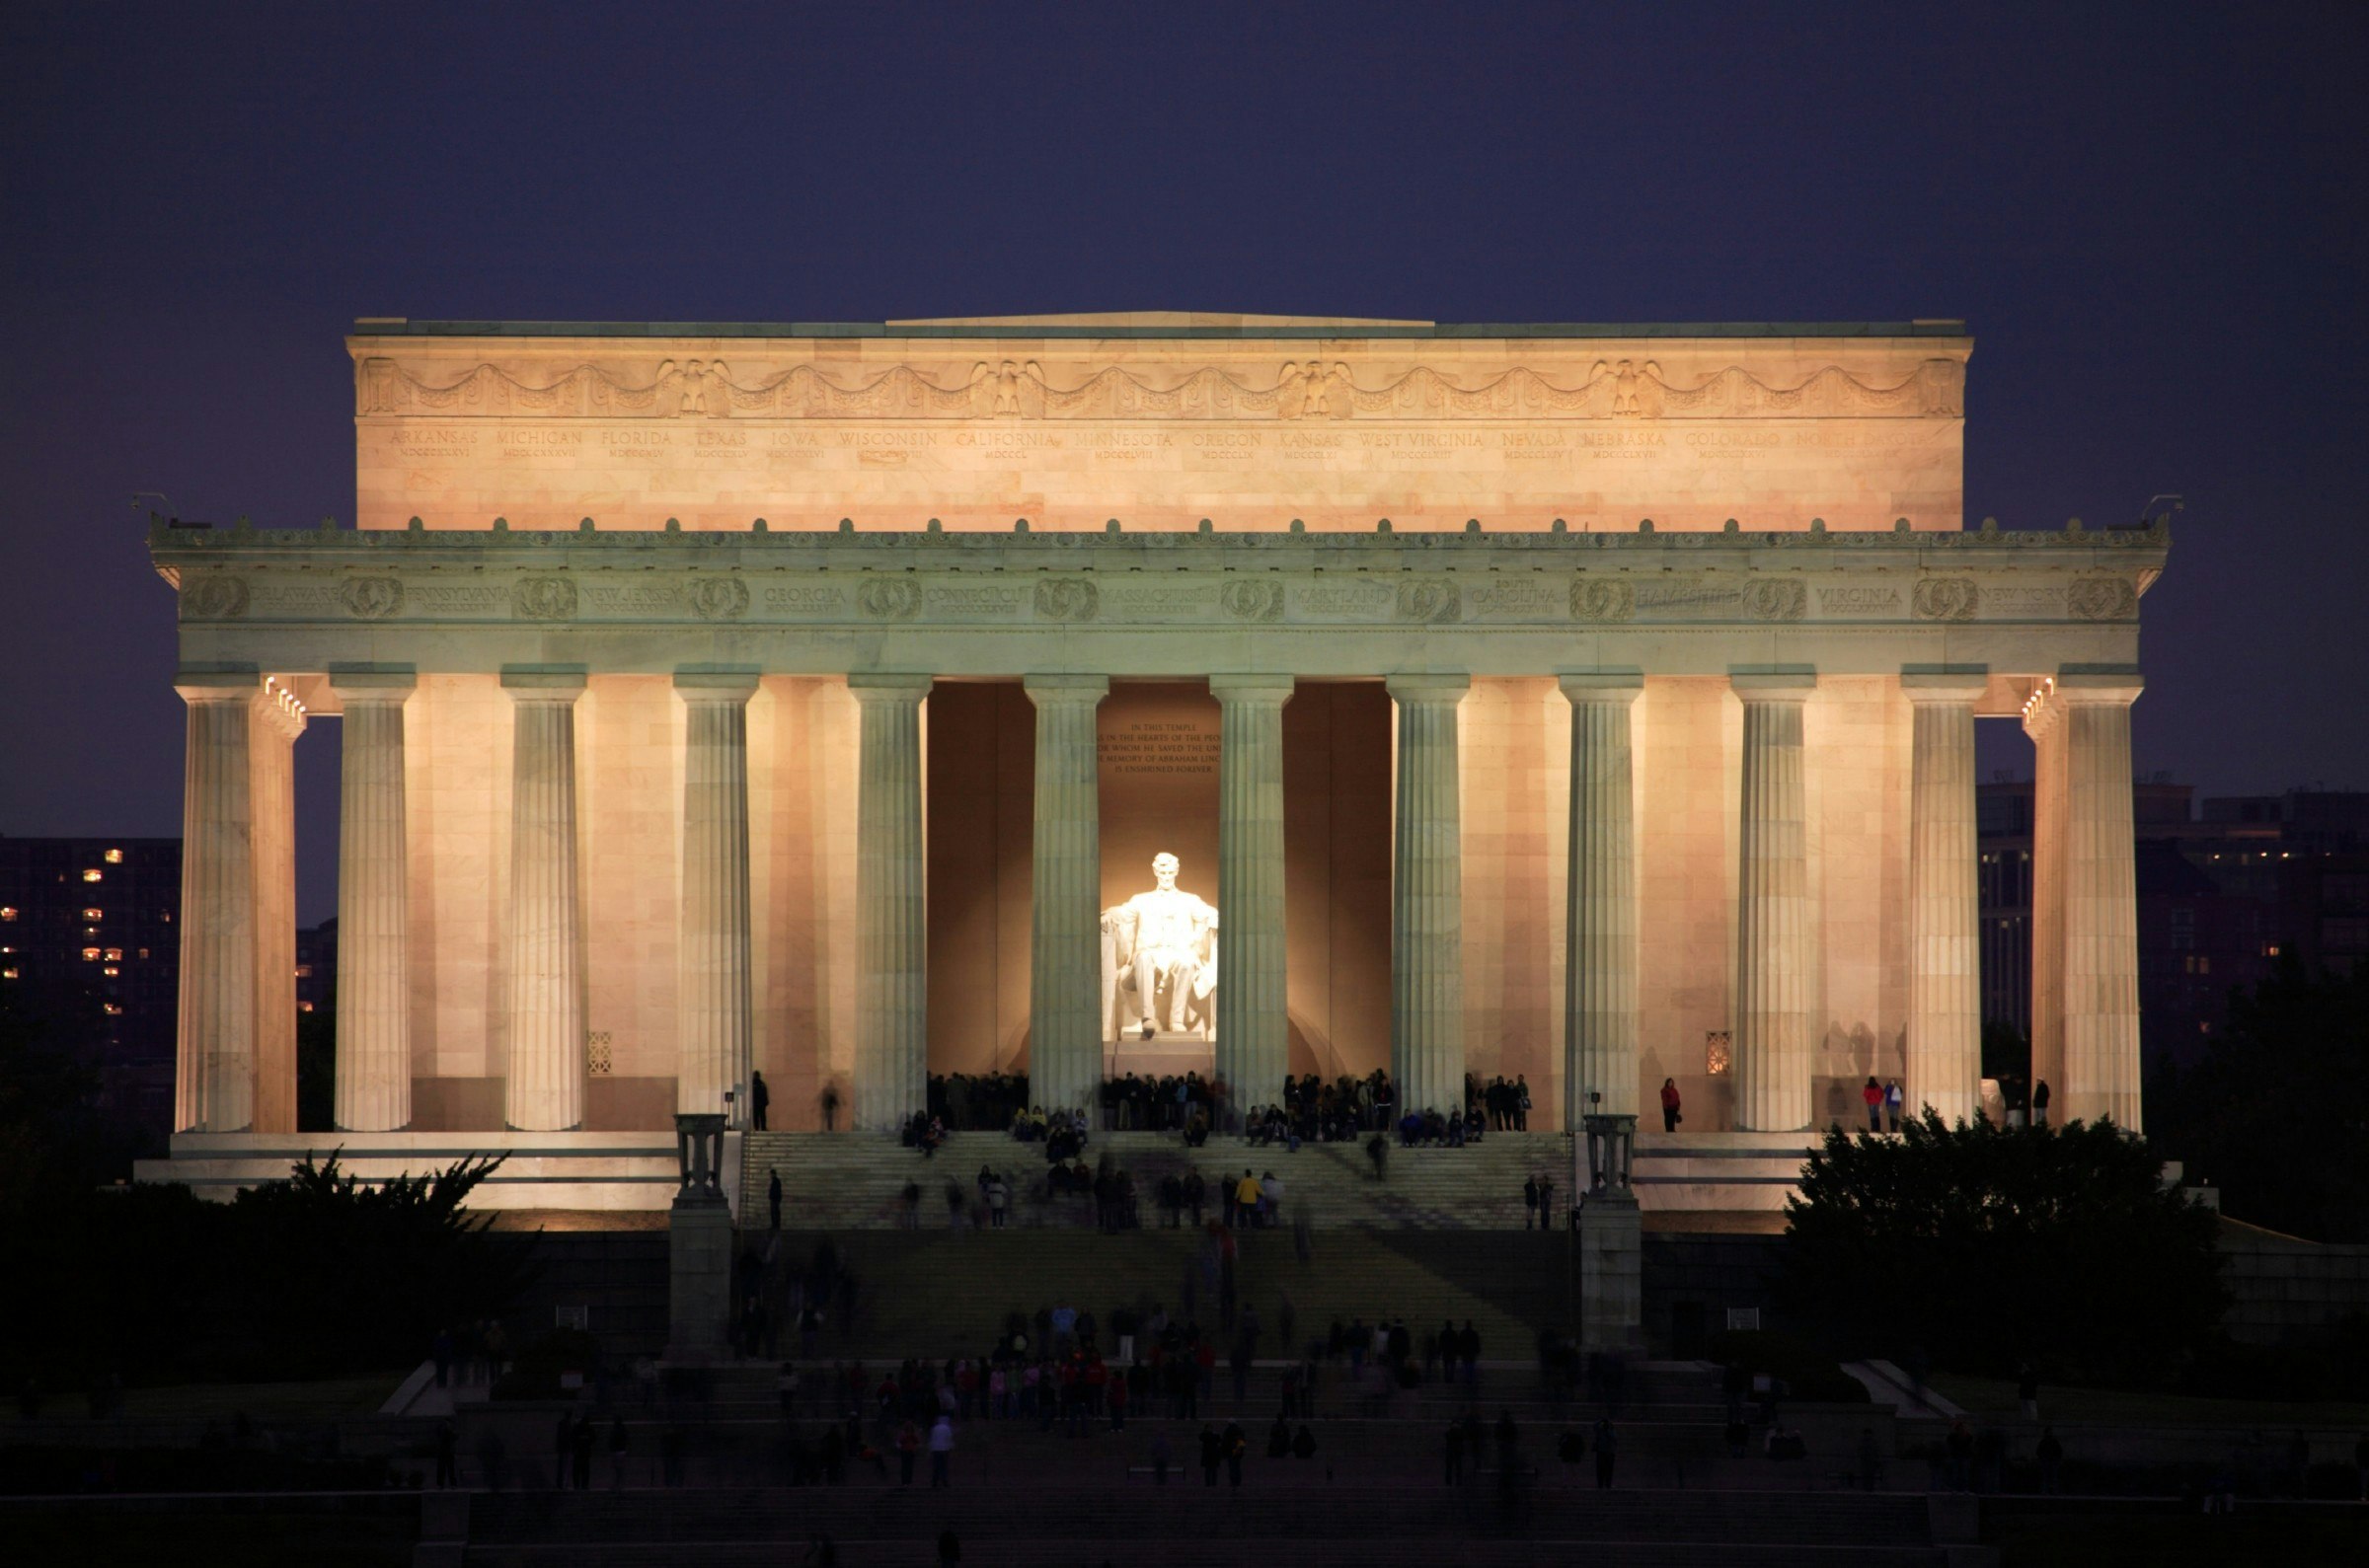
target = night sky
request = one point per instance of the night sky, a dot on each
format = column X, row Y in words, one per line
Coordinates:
column 2149, row 216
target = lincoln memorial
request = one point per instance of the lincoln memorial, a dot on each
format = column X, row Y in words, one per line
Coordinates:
column 1089, row 694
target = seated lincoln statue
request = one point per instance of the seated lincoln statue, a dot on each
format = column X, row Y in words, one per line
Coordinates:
column 1159, row 947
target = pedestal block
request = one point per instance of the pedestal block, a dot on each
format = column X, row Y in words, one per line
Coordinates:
column 1612, row 1299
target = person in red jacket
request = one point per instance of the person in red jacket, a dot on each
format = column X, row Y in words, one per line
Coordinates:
column 1873, row 1095
column 1670, row 1105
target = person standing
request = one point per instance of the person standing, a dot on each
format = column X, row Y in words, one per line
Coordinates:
column 2027, row 1390
column 908, row 1449
column 1546, row 1203
column 1213, row 1454
column 2039, row 1103
column 759, row 1097
column 1607, row 1445
column 583, row 1455
column 2050, row 1451
column 1529, row 1203
column 1873, row 1095
column 1670, row 1105
column 830, row 1107
column 1894, row 1102
column 942, row 1450
column 1237, row 1444
column 1521, row 1103
column 773, row 1196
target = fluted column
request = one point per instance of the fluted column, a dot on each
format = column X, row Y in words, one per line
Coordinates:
column 1775, row 944
column 1601, row 932
column 891, row 933
column 1254, row 1031
column 1065, row 944
column 713, row 1029
column 1426, row 926
column 545, row 1085
column 213, row 1080
column 1945, row 973
column 278, row 720
column 2084, row 899
column 374, row 1036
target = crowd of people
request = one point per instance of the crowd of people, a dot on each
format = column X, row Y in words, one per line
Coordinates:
column 1312, row 1109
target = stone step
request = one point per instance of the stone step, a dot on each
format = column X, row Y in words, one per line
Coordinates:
column 1037, row 1551
column 1078, row 1514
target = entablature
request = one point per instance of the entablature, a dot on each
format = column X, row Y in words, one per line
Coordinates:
column 1150, row 602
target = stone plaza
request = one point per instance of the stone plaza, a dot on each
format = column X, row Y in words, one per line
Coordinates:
column 1589, row 703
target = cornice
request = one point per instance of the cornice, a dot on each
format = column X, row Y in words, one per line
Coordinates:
column 1082, row 551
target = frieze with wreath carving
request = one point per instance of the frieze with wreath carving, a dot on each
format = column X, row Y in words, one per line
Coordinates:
column 544, row 599
column 707, row 389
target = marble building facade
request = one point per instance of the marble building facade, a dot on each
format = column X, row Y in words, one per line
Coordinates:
column 1590, row 703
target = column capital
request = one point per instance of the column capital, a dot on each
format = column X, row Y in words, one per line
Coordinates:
column 217, row 686
column 716, row 686
column 1275, row 689
column 886, row 687
column 372, row 682
column 555, row 684
column 1449, row 689
column 1942, row 686
column 1617, row 687
column 2077, row 688
column 1773, row 683
column 1087, row 689
column 2097, row 686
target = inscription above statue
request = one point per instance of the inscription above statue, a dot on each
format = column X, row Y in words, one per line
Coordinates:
column 1160, row 960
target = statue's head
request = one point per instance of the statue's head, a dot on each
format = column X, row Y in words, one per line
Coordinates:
column 1164, row 871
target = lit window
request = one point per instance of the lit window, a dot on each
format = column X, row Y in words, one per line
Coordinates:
column 10, row 973
column 304, row 1007
column 111, row 971
column 166, row 916
column 91, row 875
column 114, row 955
column 114, row 856
column 143, row 952
column 6, row 912
column 2204, row 964
column 94, row 914
column 304, row 971
column 2270, row 951
column 90, row 956
column 113, row 1011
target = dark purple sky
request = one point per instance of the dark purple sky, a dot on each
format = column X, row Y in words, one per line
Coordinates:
column 2151, row 217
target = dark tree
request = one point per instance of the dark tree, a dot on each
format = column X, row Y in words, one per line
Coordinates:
column 2278, row 1113
column 1986, row 1245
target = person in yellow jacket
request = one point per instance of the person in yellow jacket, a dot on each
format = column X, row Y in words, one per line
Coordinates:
column 1246, row 1199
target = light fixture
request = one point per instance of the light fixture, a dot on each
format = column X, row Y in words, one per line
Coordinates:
column 112, row 856
column 91, row 875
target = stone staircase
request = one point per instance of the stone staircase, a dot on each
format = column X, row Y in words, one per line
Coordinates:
column 946, row 1293
column 852, row 1181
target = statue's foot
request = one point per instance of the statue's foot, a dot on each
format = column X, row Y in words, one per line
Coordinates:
column 1148, row 1030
